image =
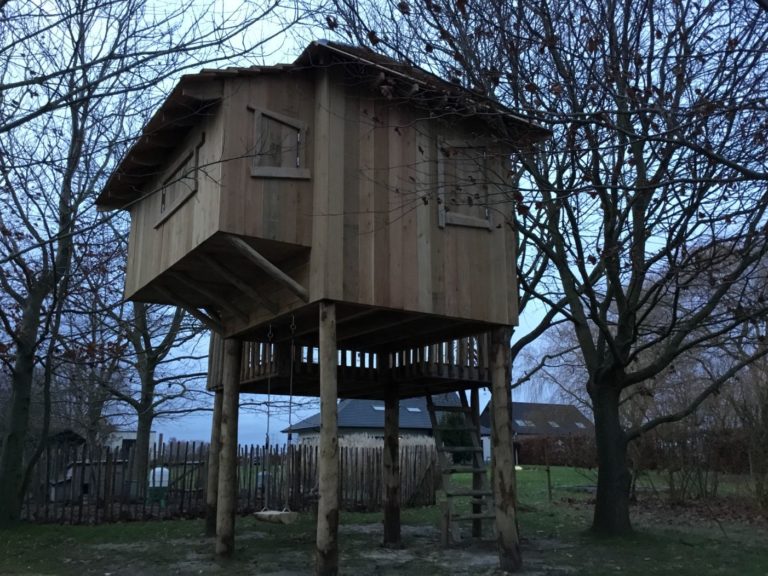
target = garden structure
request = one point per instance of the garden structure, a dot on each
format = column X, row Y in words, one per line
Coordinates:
column 343, row 225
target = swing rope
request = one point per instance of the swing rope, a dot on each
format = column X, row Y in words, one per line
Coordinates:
column 289, row 456
column 285, row 516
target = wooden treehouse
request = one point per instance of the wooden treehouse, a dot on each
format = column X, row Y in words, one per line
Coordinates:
column 343, row 224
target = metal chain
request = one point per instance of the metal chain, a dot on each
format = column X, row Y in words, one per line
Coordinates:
column 286, row 506
column 265, row 480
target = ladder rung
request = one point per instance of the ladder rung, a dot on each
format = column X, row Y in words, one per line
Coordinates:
column 467, row 492
column 459, row 468
column 480, row 516
column 461, row 449
column 465, row 409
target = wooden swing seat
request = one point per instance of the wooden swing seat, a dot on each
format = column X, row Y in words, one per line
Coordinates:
column 277, row 516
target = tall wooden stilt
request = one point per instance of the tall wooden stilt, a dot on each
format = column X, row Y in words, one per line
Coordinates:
column 212, row 484
column 477, row 477
column 327, row 553
column 227, row 492
column 215, row 354
column 391, row 463
column 504, row 486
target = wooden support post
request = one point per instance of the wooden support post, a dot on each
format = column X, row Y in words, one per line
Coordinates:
column 391, row 461
column 212, row 484
column 504, row 485
column 477, row 477
column 227, row 492
column 327, row 552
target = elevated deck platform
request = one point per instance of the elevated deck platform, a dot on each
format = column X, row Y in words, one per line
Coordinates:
column 445, row 367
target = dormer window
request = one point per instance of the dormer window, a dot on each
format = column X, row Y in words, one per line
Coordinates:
column 279, row 147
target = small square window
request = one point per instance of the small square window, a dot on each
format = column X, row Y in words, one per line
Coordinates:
column 554, row 424
column 378, row 407
column 580, row 425
column 278, row 147
column 413, row 409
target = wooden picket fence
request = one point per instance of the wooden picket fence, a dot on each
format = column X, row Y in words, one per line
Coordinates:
column 93, row 485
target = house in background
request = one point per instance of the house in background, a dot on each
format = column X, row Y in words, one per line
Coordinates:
column 366, row 418
column 535, row 420
column 126, row 440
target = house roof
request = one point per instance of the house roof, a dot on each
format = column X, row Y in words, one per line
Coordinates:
column 367, row 414
column 535, row 419
column 197, row 95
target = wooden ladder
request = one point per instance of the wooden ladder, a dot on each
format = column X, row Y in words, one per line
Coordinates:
column 477, row 500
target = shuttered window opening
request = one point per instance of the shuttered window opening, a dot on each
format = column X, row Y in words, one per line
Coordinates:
column 279, row 147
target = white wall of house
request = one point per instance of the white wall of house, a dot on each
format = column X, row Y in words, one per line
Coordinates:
column 371, row 437
column 115, row 440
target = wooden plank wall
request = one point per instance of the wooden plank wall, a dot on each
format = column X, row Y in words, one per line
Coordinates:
column 369, row 212
column 277, row 209
column 153, row 249
column 388, row 250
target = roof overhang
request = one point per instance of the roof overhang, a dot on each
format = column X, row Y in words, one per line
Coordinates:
column 400, row 81
column 197, row 95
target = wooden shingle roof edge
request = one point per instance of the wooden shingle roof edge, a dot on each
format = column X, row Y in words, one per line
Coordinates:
column 196, row 95
column 397, row 78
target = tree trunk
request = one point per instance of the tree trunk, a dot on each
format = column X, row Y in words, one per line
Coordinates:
column 140, row 469
column 12, row 457
column 12, row 461
column 613, row 478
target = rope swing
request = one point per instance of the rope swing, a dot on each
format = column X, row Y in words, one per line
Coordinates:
column 286, row 515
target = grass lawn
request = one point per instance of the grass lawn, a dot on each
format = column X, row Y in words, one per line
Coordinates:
column 695, row 541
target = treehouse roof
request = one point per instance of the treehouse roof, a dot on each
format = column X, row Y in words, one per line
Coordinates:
column 197, row 95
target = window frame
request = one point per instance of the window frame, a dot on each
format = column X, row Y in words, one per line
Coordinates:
column 445, row 216
column 300, row 172
column 166, row 211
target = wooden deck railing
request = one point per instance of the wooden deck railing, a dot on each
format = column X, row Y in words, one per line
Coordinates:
column 461, row 358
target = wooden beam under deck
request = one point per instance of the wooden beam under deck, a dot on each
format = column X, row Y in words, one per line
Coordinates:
column 211, row 295
column 209, row 321
column 365, row 383
column 268, row 267
column 239, row 283
column 364, row 328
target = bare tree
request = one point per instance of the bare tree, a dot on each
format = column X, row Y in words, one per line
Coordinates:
column 76, row 79
column 652, row 187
